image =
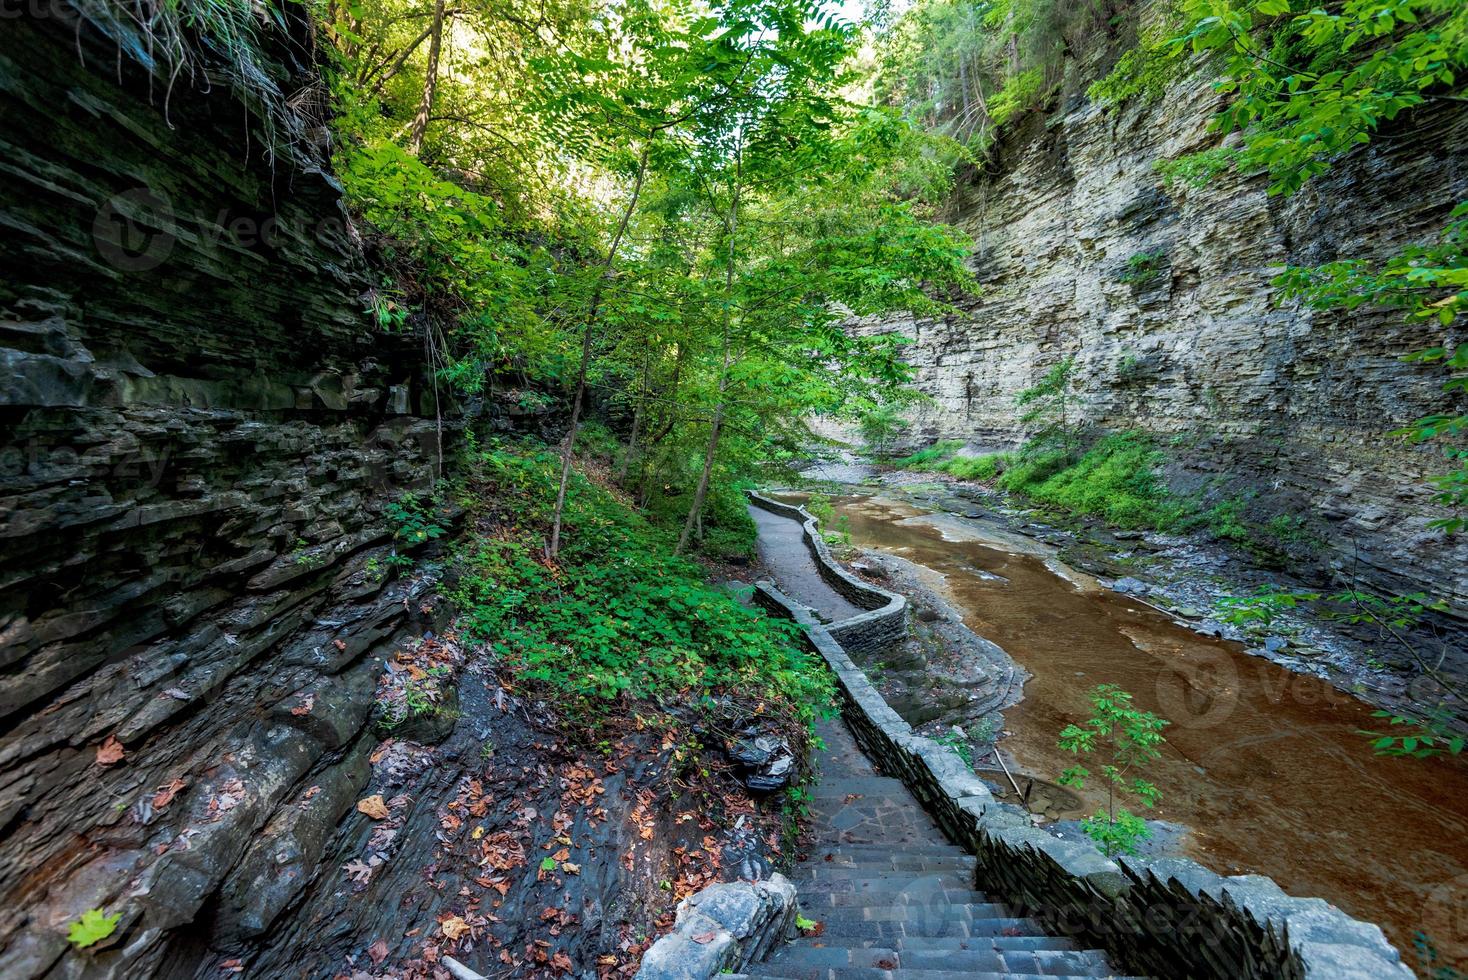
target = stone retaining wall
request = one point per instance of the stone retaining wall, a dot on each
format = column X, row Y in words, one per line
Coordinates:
column 1163, row 917
column 723, row 929
column 885, row 621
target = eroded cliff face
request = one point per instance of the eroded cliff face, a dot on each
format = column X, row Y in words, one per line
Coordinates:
column 200, row 430
column 1247, row 396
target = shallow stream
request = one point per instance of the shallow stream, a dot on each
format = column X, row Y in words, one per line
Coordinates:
column 1264, row 765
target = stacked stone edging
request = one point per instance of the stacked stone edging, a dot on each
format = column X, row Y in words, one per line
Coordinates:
column 1166, row 917
column 722, row 929
column 884, row 622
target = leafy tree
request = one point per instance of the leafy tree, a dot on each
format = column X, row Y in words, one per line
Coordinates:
column 1049, row 408
column 1126, row 739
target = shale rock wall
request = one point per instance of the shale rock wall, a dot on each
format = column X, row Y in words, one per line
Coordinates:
column 200, row 429
column 1292, row 404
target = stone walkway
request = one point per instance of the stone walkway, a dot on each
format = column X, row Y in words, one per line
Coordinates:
column 893, row 899
column 783, row 550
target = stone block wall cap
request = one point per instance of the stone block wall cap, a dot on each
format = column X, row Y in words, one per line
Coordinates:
column 1334, row 927
column 1328, row 961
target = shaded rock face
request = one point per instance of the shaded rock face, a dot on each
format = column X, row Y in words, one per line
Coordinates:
column 200, row 429
column 1293, row 404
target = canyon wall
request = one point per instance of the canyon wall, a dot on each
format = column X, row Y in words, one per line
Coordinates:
column 1288, row 406
column 201, row 428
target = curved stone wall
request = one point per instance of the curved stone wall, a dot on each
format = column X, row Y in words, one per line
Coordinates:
column 1162, row 917
column 884, row 622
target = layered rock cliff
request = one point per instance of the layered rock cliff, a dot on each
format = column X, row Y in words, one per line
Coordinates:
column 200, row 430
column 1285, row 405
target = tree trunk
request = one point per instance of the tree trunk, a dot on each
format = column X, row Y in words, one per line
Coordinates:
column 701, row 491
column 587, row 333
column 430, row 81
column 637, row 413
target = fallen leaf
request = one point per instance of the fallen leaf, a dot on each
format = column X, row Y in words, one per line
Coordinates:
column 339, row 644
column 453, row 927
column 378, row 951
column 704, row 938
column 165, row 794
column 570, row 868
column 373, row 806
column 110, row 752
column 304, row 708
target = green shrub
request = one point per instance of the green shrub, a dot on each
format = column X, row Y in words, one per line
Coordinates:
column 982, row 468
column 930, row 458
column 618, row 611
column 1020, row 92
column 1116, row 479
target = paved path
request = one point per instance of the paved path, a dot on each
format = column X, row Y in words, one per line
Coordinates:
column 894, row 899
column 790, row 563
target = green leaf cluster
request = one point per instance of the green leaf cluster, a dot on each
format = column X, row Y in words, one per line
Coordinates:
column 618, row 613
column 1126, row 739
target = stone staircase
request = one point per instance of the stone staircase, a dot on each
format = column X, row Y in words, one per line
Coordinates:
column 895, row 900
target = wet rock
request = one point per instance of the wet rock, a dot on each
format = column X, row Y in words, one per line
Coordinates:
column 767, row 762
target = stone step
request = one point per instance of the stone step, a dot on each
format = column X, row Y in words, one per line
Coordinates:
column 837, row 872
column 918, row 908
column 932, row 927
column 947, row 882
column 937, row 845
column 1000, row 942
column 761, row 972
column 812, row 903
column 805, row 955
column 894, row 861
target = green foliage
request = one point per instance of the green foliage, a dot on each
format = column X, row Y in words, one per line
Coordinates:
column 1020, row 92
column 1143, row 267
column 956, row 740
column 1309, row 82
column 879, row 426
column 1143, row 71
column 1261, row 608
column 981, row 468
column 1048, row 411
column 930, row 458
column 963, row 68
column 1116, row 479
column 618, row 612
column 93, row 927
column 413, row 522
column 1199, row 169
column 1126, row 740
column 1420, row 738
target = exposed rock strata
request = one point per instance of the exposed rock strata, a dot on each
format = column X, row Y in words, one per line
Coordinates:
column 1293, row 404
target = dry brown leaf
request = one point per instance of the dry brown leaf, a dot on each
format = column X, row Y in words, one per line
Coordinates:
column 373, row 806
column 110, row 752
column 570, row 868
column 165, row 794
column 453, row 927
column 704, row 938
column 378, row 951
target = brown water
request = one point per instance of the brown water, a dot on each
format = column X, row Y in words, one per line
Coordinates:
column 1264, row 765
